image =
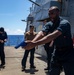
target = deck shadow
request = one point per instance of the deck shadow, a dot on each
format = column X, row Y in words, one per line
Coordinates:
column 31, row 71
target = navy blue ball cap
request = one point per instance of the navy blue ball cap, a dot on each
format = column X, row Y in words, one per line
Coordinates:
column 2, row 29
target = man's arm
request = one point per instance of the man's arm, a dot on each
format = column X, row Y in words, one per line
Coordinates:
column 1, row 41
column 44, row 40
column 40, row 35
column 49, row 37
column 6, row 37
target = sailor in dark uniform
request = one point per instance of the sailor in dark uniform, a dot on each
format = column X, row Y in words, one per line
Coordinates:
column 3, row 39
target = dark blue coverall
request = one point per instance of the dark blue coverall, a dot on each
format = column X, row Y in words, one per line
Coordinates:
column 64, row 53
column 2, row 54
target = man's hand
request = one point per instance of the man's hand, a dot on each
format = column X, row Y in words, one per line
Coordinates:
column 5, row 40
column 36, row 47
column 29, row 45
column 1, row 41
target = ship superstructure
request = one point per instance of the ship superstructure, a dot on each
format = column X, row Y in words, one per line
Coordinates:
column 40, row 13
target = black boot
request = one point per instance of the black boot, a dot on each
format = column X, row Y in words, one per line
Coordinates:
column 33, row 66
column 23, row 68
column 46, row 68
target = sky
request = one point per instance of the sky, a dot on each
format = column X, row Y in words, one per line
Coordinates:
column 11, row 14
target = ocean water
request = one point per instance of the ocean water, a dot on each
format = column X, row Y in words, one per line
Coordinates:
column 14, row 40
